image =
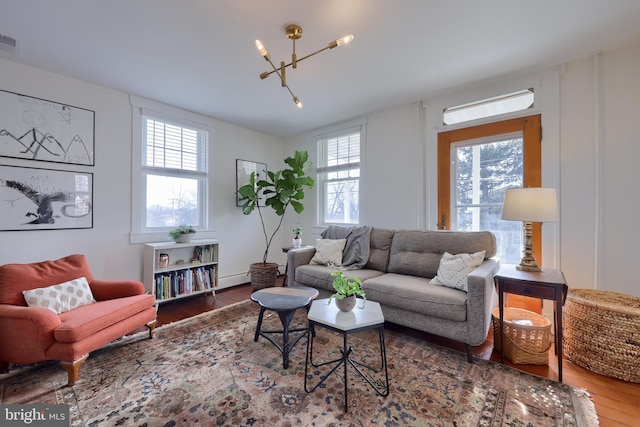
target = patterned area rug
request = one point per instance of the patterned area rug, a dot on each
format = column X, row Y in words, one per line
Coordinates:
column 207, row 370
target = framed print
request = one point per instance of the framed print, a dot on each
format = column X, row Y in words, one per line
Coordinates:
column 244, row 168
column 37, row 129
column 45, row 199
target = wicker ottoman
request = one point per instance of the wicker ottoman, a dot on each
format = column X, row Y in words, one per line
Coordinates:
column 602, row 332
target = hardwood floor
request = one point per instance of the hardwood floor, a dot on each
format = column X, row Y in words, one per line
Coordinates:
column 617, row 402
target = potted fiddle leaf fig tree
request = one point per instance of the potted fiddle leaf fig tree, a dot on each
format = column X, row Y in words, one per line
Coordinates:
column 280, row 190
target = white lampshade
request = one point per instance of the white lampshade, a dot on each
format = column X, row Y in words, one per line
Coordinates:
column 530, row 204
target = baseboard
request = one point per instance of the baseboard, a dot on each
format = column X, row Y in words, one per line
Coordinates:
column 237, row 279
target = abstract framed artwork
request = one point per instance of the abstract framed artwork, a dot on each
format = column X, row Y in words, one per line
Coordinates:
column 44, row 199
column 37, row 129
column 244, row 168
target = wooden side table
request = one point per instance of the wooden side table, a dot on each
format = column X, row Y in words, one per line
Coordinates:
column 546, row 284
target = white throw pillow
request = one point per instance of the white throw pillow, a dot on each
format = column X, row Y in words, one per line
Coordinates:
column 60, row 298
column 454, row 269
column 329, row 252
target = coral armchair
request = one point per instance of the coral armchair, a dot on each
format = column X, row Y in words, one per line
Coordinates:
column 30, row 332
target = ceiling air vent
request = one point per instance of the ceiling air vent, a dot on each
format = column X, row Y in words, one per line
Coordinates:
column 8, row 44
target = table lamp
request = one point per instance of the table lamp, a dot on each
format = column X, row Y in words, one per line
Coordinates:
column 530, row 205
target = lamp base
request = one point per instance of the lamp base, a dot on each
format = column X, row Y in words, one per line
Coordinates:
column 527, row 267
column 528, row 262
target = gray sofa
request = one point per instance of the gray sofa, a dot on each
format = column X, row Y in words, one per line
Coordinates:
column 397, row 274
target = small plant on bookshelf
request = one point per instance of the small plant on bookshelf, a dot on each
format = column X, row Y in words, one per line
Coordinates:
column 182, row 234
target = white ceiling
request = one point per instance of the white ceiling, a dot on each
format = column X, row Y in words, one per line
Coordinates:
column 200, row 55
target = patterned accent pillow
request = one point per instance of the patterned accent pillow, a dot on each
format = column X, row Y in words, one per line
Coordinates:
column 454, row 269
column 329, row 252
column 60, row 298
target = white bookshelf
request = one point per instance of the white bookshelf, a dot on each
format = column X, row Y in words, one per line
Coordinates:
column 184, row 275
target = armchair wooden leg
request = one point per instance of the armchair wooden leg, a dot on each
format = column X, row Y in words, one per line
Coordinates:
column 152, row 328
column 73, row 369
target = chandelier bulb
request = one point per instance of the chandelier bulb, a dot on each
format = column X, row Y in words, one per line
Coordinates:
column 344, row 40
column 261, row 48
column 297, row 101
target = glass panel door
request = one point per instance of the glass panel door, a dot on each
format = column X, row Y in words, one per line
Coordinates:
column 482, row 170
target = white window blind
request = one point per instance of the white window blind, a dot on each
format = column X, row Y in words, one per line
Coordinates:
column 339, row 177
column 170, row 146
column 174, row 173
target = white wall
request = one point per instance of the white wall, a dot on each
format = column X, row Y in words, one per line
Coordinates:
column 590, row 151
column 107, row 244
column 620, row 196
column 600, row 149
column 391, row 168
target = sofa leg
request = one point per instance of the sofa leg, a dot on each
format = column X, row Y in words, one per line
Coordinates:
column 469, row 353
column 152, row 327
column 73, row 369
column 4, row 367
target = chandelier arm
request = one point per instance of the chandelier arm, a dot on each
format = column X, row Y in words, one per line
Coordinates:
column 275, row 70
column 267, row 74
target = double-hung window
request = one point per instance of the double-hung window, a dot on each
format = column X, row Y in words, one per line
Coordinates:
column 174, row 173
column 339, row 177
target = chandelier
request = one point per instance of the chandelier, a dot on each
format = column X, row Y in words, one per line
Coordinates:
column 294, row 32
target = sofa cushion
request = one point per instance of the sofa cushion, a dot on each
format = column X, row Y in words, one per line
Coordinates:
column 84, row 321
column 454, row 269
column 328, row 252
column 418, row 253
column 380, row 240
column 319, row 276
column 15, row 278
column 415, row 294
column 60, row 298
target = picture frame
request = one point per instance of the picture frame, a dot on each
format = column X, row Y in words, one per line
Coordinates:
column 244, row 168
column 44, row 199
column 42, row 130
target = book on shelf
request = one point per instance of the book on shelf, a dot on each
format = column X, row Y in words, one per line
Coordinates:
column 183, row 282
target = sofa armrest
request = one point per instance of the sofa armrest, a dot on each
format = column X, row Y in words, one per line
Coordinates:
column 296, row 258
column 110, row 289
column 481, row 299
column 26, row 333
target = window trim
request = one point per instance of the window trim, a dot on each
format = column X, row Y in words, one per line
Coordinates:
column 352, row 126
column 145, row 107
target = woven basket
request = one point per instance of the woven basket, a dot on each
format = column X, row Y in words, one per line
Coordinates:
column 602, row 332
column 527, row 336
column 263, row 275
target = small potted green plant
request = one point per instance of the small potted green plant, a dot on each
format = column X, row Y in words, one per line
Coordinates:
column 347, row 289
column 297, row 233
column 182, row 234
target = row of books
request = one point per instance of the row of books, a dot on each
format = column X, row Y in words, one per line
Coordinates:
column 182, row 282
column 207, row 254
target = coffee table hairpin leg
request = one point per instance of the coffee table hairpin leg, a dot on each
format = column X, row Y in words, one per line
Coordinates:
column 378, row 386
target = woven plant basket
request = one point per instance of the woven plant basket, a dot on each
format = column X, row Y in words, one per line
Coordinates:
column 263, row 275
column 602, row 332
column 527, row 336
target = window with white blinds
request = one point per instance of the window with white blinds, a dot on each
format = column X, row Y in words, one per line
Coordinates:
column 339, row 177
column 174, row 173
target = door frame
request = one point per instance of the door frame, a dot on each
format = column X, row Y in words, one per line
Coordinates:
column 531, row 128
